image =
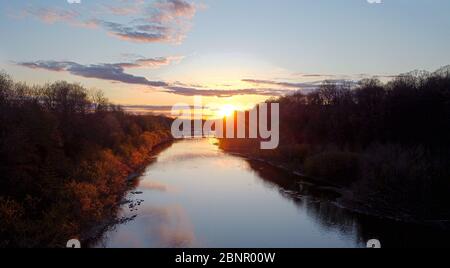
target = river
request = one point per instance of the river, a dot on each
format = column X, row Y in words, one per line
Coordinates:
column 195, row 195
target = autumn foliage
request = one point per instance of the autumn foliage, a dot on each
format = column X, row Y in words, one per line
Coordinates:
column 65, row 156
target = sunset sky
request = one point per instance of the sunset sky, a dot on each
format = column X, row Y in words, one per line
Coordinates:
column 158, row 53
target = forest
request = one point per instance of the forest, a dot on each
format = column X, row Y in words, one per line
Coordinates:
column 386, row 146
column 66, row 156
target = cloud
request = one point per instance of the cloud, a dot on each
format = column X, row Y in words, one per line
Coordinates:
column 303, row 86
column 223, row 93
column 162, row 109
column 57, row 15
column 52, row 15
column 317, row 75
column 142, row 33
column 109, row 72
column 129, row 9
column 374, row 1
column 173, row 10
column 151, row 62
column 157, row 107
column 163, row 21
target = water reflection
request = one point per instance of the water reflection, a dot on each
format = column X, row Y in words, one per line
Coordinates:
column 155, row 186
column 167, row 226
column 194, row 195
column 320, row 204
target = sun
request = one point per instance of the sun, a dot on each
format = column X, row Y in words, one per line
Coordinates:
column 227, row 110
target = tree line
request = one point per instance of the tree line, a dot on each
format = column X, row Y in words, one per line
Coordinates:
column 388, row 143
column 65, row 155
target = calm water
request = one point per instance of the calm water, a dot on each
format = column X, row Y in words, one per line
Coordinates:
column 195, row 195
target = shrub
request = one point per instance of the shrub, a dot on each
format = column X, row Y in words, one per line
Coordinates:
column 405, row 182
column 337, row 167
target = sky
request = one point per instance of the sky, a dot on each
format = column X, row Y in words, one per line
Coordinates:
column 161, row 52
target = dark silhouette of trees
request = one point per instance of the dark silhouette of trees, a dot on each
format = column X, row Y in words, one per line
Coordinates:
column 389, row 143
column 408, row 110
column 65, row 155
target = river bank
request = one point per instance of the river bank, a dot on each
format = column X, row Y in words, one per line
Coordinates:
column 348, row 199
column 161, row 140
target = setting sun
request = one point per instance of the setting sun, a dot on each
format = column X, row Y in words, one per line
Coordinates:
column 227, row 110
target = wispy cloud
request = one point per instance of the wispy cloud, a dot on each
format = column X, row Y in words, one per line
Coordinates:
column 304, row 86
column 307, row 75
column 223, row 93
column 126, row 8
column 152, row 63
column 52, row 15
column 162, row 109
column 163, row 21
column 110, row 72
column 166, row 21
column 170, row 10
column 142, row 33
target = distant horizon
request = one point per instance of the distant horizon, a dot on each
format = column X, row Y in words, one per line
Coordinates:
column 213, row 110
